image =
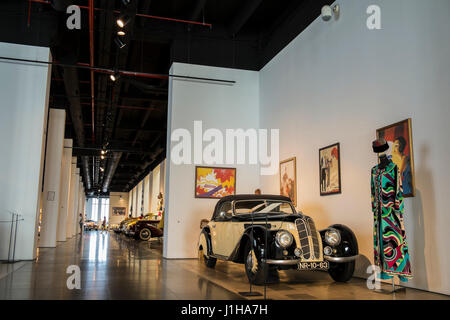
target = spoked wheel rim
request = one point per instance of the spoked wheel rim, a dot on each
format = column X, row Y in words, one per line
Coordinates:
column 252, row 262
column 145, row 234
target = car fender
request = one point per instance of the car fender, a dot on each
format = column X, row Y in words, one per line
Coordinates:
column 347, row 236
column 258, row 243
column 205, row 241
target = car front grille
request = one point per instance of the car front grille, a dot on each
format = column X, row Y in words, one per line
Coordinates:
column 309, row 243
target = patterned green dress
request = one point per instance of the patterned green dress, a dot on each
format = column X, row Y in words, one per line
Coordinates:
column 389, row 236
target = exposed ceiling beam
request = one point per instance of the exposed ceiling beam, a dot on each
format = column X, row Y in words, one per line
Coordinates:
column 243, row 15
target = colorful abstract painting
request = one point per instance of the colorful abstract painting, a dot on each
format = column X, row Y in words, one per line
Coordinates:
column 330, row 170
column 214, row 182
column 399, row 138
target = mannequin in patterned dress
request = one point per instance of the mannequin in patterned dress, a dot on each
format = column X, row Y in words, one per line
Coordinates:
column 390, row 247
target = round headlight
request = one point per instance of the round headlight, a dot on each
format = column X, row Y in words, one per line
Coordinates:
column 332, row 237
column 284, row 238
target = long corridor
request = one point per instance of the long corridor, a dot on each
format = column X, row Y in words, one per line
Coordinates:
column 112, row 267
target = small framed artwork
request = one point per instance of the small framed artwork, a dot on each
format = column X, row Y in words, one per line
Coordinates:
column 288, row 179
column 119, row 211
column 330, row 170
column 214, row 183
column 399, row 138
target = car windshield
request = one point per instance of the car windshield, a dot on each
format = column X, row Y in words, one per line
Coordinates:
column 263, row 207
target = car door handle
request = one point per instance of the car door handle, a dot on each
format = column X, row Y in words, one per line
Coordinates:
column 213, row 225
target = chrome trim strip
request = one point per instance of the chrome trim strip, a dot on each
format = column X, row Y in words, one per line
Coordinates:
column 281, row 262
column 340, row 259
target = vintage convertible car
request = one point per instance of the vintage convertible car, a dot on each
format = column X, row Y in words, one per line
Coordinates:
column 144, row 229
column 243, row 226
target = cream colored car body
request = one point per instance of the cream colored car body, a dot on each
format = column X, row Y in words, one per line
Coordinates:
column 226, row 236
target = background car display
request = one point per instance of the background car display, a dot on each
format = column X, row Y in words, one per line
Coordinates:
column 145, row 229
column 90, row 225
column 242, row 226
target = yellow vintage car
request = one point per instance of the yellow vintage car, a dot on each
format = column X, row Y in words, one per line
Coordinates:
column 266, row 234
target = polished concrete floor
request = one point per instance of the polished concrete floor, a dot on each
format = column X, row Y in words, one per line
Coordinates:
column 115, row 267
column 112, row 267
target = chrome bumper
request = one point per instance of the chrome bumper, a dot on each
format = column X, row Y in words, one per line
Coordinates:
column 282, row 262
column 296, row 261
column 340, row 259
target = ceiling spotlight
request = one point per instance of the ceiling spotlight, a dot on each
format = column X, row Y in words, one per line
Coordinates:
column 122, row 20
column 119, row 42
column 101, row 169
column 114, row 76
column 121, row 33
column 102, row 157
column 126, row 2
column 103, row 151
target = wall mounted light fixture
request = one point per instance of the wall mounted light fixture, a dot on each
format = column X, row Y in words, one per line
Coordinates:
column 328, row 12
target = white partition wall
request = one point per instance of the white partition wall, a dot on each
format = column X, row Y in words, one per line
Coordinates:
column 139, row 199
column 66, row 168
column 52, row 178
column 219, row 106
column 146, row 183
column 155, row 188
column 69, row 225
column 117, row 199
column 339, row 82
column 24, row 92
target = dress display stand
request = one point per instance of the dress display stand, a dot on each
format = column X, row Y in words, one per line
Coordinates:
column 393, row 289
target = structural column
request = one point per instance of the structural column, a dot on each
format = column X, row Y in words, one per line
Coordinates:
column 52, row 178
column 79, row 207
column 66, row 169
column 69, row 224
column 76, row 197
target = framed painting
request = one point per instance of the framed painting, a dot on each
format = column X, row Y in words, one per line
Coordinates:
column 119, row 211
column 214, row 183
column 330, row 170
column 288, row 179
column 399, row 138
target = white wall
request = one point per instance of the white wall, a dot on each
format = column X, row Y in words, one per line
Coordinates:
column 218, row 106
column 146, row 183
column 117, row 199
column 156, row 179
column 66, row 167
column 24, row 92
column 52, row 178
column 339, row 82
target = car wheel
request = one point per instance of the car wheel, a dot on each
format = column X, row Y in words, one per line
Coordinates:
column 342, row 272
column 145, row 234
column 258, row 272
column 210, row 262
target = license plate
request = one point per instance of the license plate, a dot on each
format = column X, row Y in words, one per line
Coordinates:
column 313, row 265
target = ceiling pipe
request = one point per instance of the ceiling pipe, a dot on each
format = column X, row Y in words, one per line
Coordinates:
column 112, row 166
column 243, row 15
column 71, row 84
column 91, row 49
column 142, row 15
column 123, row 72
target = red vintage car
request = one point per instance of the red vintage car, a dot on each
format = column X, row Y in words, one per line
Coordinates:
column 145, row 229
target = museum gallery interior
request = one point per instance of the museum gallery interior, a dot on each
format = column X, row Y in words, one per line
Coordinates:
column 224, row 150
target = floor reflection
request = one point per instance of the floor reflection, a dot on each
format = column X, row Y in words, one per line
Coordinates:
column 112, row 267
